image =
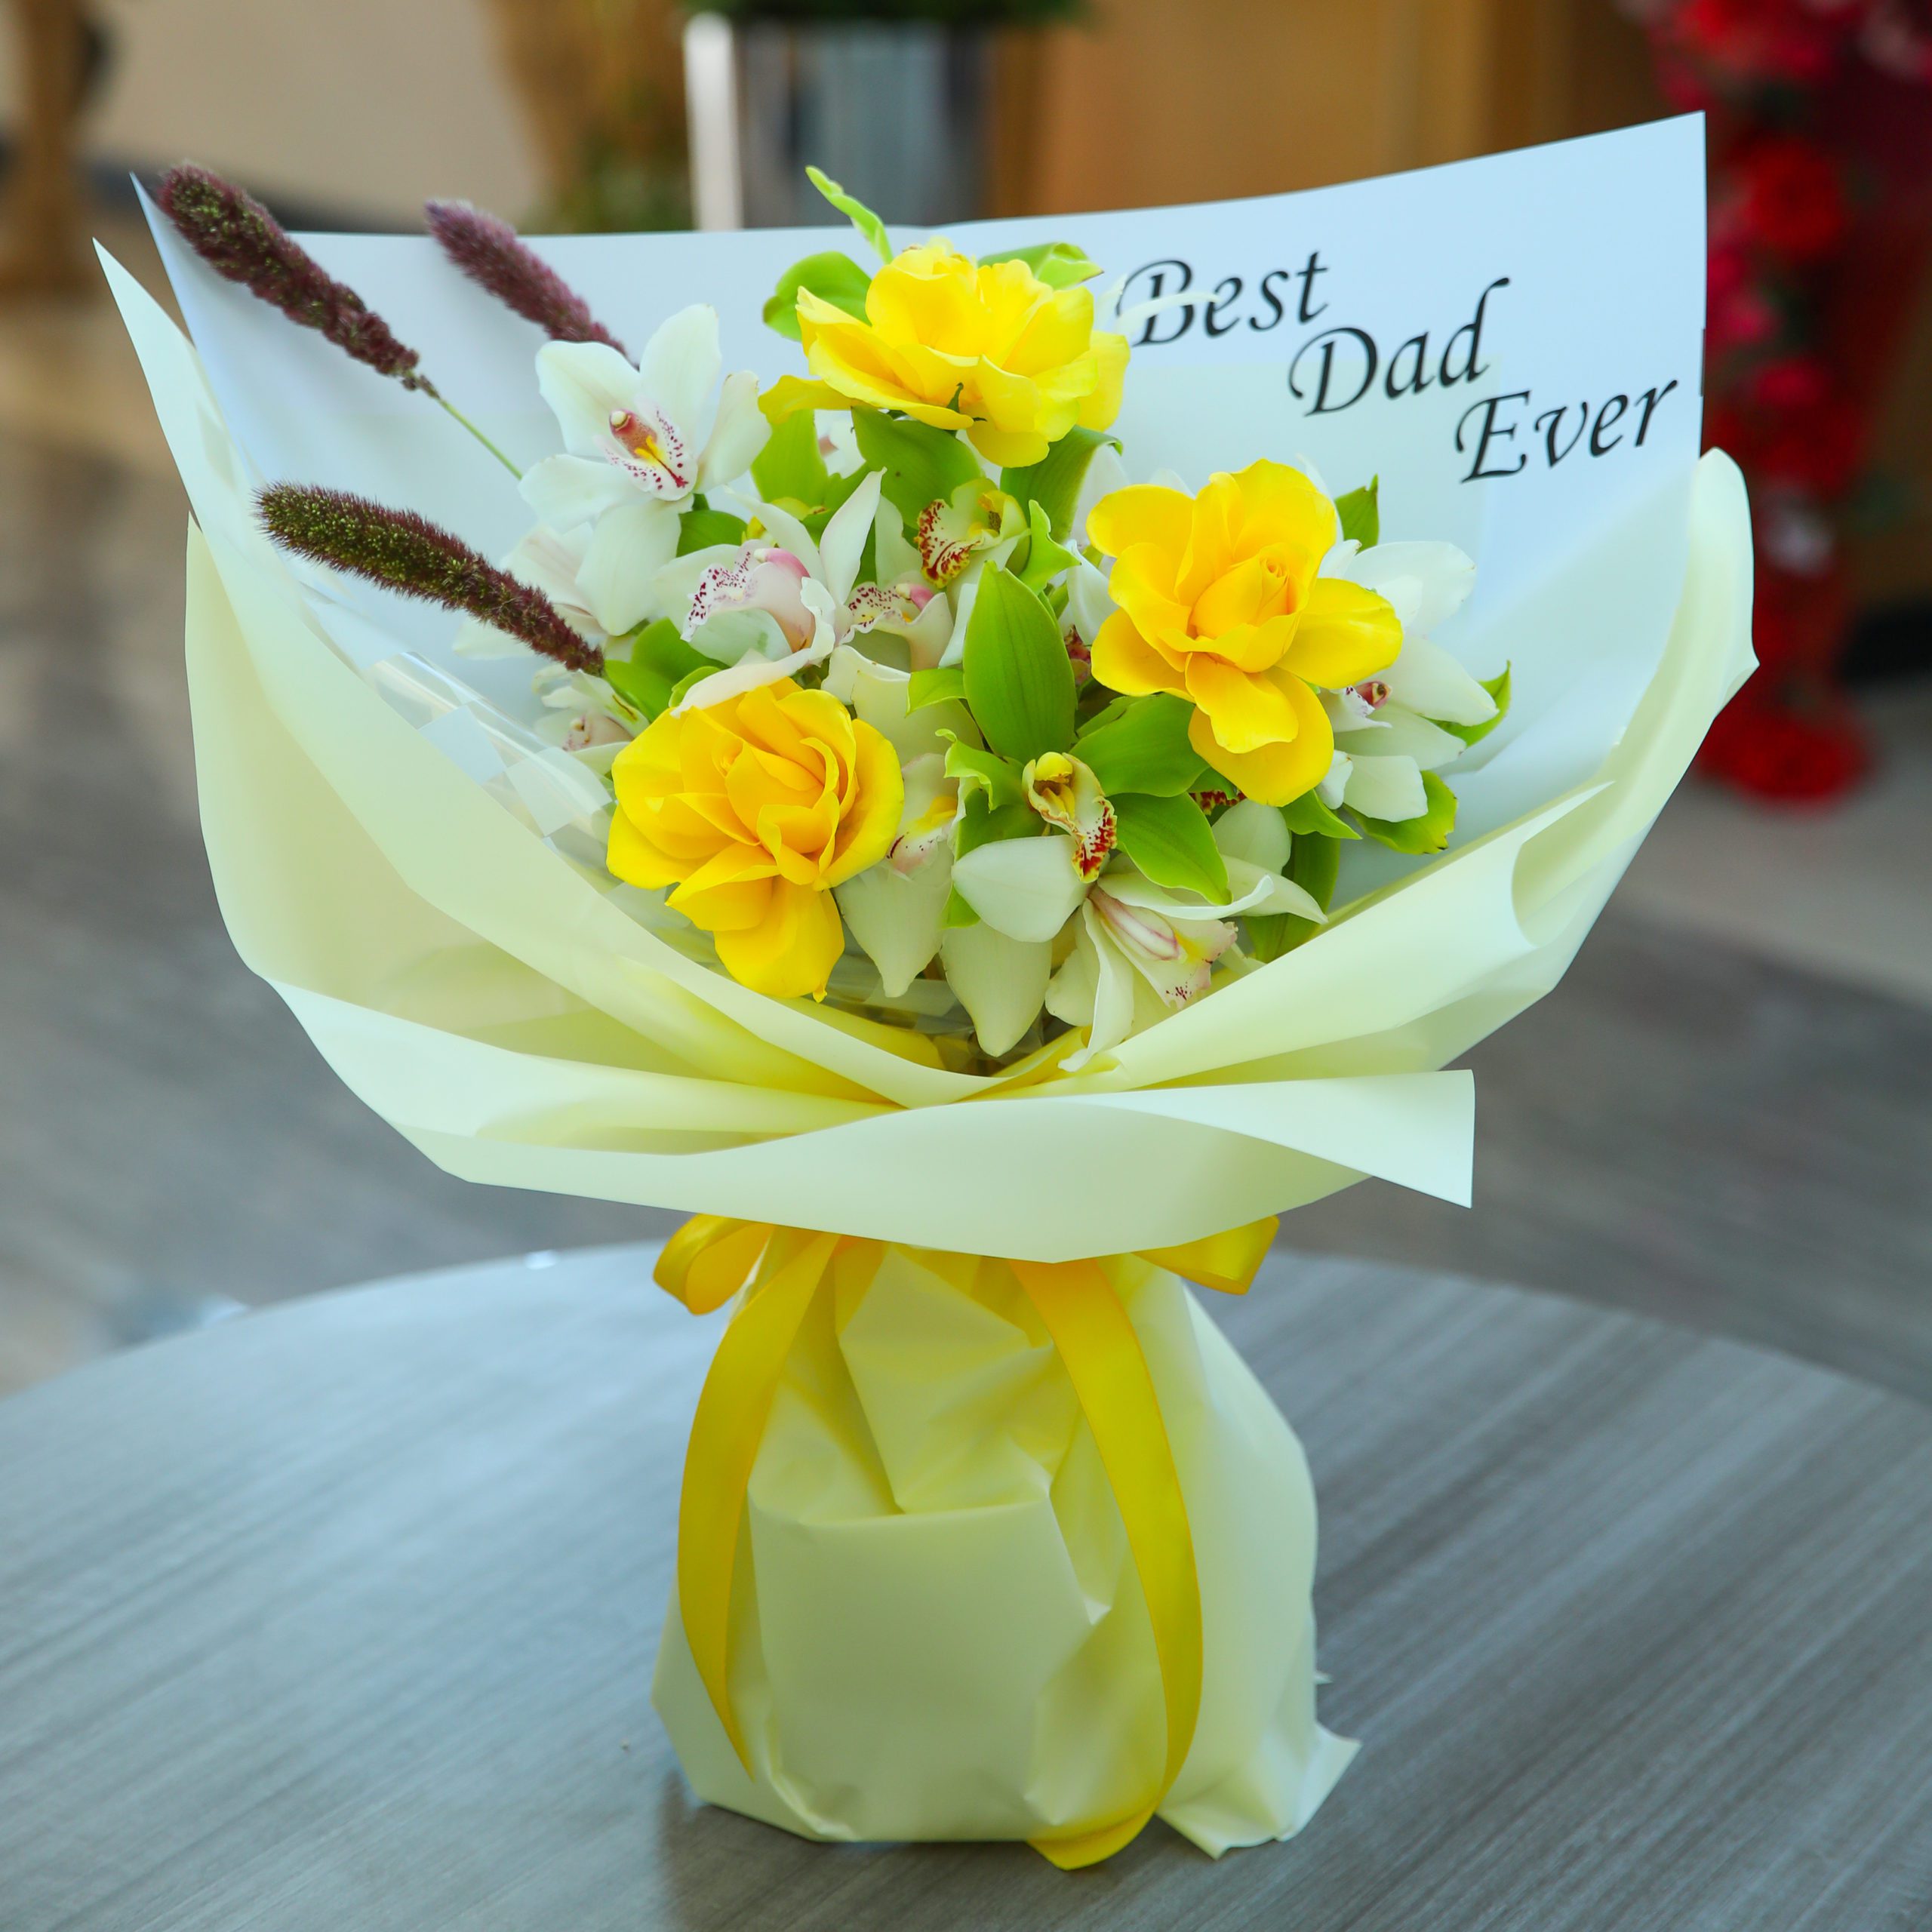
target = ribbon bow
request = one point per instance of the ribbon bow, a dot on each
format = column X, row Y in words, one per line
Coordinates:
column 712, row 1257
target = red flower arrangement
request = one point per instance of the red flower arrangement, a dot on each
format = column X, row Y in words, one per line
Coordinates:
column 1821, row 131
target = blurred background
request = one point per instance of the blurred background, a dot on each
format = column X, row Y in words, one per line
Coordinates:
column 1722, row 1116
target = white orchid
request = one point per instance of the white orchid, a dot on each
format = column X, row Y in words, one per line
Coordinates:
column 896, row 910
column 1036, row 906
column 781, row 602
column 639, row 443
column 550, row 561
column 1141, row 951
column 1389, row 730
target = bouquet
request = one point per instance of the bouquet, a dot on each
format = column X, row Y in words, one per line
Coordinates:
column 915, row 832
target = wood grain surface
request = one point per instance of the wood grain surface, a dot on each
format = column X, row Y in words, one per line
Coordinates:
column 342, row 1615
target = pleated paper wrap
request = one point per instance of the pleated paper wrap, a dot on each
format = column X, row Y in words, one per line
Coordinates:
column 941, row 1612
column 935, row 1633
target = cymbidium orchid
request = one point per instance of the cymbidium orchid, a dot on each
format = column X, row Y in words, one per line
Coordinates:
column 780, row 603
column 639, row 443
column 1388, row 729
column 975, row 519
column 1140, row 951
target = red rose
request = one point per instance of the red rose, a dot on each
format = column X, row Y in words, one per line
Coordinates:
column 1790, row 383
column 1737, row 315
column 1816, row 447
column 1792, row 202
column 1763, row 40
column 1766, row 747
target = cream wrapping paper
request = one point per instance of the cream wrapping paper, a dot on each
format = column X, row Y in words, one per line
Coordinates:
column 940, row 1633
column 489, row 997
column 937, row 1633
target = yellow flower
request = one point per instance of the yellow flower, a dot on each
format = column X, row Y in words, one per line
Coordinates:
column 988, row 348
column 1220, row 603
column 754, row 808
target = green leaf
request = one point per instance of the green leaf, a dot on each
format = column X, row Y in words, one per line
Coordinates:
column 1313, row 864
column 981, row 824
column 659, row 659
column 1045, row 559
column 1498, row 687
column 1169, row 840
column 1271, row 934
column 1055, row 482
column 935, row 687
column 701, row 526
column 984, row 774
column 832, row 277
column 1360, row 512
column 789, row 468
column 920, row 463
column 1059, row 264
column 1428, row 832
column 1019, row 678
column 1307, row 814
column 855, row 210
column 1143, row 747
column 958, row 913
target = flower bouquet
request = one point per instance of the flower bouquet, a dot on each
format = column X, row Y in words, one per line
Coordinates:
column 982, row 871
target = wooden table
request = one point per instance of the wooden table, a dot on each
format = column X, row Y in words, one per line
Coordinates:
column 341, row 1617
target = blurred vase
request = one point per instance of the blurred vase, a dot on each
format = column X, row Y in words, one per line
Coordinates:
column 898, row 114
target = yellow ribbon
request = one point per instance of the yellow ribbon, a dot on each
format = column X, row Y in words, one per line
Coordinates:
column 706, row 1262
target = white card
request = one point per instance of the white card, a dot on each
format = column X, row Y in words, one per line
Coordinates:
column 1512, row 344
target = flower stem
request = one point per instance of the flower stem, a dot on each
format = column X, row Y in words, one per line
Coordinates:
column 474, row 431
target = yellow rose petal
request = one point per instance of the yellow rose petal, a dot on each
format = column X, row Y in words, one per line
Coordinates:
column 1125, row 662
column 1142, row 513
column 1345, row 634
column 790, row 954
column 1275, row 774
column 1248, row 710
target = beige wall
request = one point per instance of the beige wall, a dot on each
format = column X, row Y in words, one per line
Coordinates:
column 364, row 106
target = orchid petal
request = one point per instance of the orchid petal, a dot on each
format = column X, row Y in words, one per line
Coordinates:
column 898, row 562
column 1385, row 788
column 927, row 635
column 630, row 545
column 1001, row 981
column 567, row 490
column 963, row 592
column 783, row 531
column 899, row 918
column 844, row 542
column 1395, row 730
column 1256, row 832
column 676, row 582
column 1426, row 583
column 680, row 366
column 1026, row 888
column 1097, row 984
column 477, row 639
column 738, row 435
column 1426, row 680
column 1251, row 888
column 731, row 637
column 585, row 383
column 1331, row 788
column 747, row 674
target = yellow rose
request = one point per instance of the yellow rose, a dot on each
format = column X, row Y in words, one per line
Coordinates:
column 754, row 808
column 988, row 348
column 1220, row 603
